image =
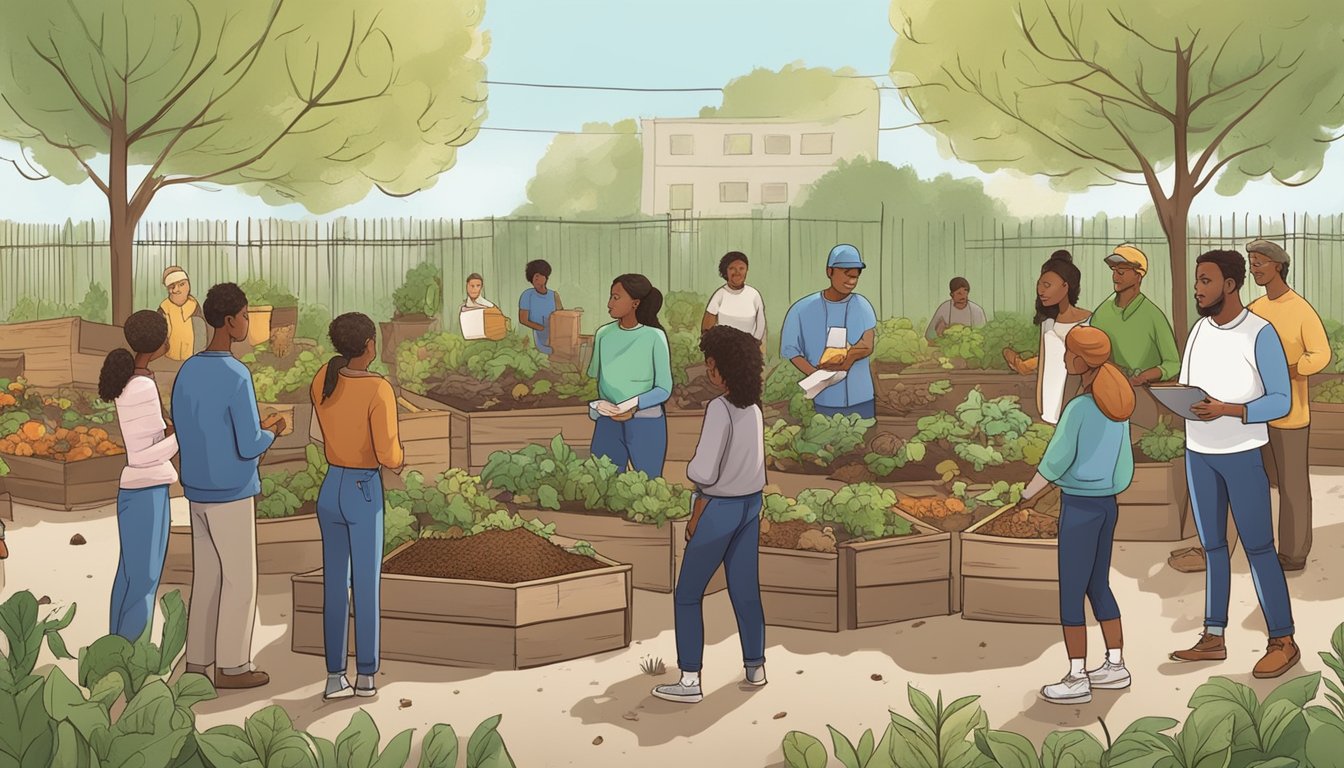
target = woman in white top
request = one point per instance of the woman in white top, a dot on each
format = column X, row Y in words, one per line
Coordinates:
column 142, row 494
column 475, row 284
column 736, row 304
column 1057, row 312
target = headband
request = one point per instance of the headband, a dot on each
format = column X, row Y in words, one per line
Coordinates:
column 174, row 277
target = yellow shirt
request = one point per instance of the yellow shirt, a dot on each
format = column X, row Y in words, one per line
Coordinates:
column 358, row 421
column 181, row 337
column 1304, row 344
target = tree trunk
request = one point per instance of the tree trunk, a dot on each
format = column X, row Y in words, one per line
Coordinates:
column 123, row 223
column 1177, row 232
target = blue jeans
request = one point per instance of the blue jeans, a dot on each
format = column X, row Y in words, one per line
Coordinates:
column 640, row 443
column 142, row 529
column 728, row 533
column 1238, row 480
column 866, row 410
column 1086, row 535
column 350, row 515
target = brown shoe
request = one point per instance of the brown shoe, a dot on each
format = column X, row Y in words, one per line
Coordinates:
column 1290, row 565
column 253, row 679
column 1188, row 560
column 1279, row 657
column 1209, row 648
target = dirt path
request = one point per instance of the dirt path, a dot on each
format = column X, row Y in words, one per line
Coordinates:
column 552, row 715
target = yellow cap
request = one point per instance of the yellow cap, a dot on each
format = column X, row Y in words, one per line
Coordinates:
column 1128, row 254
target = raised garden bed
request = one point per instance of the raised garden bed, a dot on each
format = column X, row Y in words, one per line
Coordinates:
column 1010, row 567
column 1156, row 506
column 1327, row 423
column 493, row 600
column 818, row 575
column 62, row 447
column 61, row 352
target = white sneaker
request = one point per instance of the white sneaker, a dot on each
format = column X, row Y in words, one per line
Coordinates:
column 1109, row 677
column 682, row 694
column 756, row 675
column 1070, row 690
column 338, row 687
column 365, row 686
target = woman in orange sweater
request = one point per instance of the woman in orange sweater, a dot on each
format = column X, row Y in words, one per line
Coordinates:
column 357, row 413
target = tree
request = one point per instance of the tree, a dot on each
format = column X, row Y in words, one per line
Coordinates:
column 1129, row 91
column 600, row 172
column 864, row 188
column 310, row 101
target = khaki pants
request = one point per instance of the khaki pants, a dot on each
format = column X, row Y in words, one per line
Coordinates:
column 223, row 586
column 1287, row 460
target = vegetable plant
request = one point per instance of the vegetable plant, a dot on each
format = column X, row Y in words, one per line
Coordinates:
column 819, row 442
column 283, row 494
column 421, row 293
column 314, row 322
column 898, row 341
column 982, row 432
column 864, row 510
column 94, row 307
column 1334, row 333
column 683, row 311
column 1162, row 444
column 782, row 383
column 684, row 349
column 262, row 293
column 271, row 384
column 962, row 343
column 1331, row 393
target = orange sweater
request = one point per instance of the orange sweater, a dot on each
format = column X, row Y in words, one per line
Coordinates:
column 358, row 421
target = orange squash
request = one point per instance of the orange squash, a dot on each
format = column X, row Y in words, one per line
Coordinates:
column 33, row 430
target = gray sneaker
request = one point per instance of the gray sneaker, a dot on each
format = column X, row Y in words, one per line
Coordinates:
column 682, row 694
column 338, row 687
column 365, row 686
column 1070, row 690
column 756, row 675
column 1109, row 677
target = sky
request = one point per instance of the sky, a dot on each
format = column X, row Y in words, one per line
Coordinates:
column 650, row 43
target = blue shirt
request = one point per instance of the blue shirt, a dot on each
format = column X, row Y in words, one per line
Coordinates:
column 218, row 427
column 804, row 335
column 539, row 307
column 1089, row 455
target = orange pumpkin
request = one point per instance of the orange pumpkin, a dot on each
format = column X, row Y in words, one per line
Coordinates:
column 33, row 430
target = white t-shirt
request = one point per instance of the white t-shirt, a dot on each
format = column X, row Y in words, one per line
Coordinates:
column 481, row 303
column 1054, row 376
column 742, row 309
column 1222, row 360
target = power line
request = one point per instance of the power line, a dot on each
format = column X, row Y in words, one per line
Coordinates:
column 559, row 132
column 631, row 89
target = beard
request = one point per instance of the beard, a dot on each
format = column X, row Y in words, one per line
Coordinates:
column 1212, row 309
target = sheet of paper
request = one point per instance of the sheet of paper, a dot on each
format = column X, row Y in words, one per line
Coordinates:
column 473, row 323
column 815, row 383
column 836, row 338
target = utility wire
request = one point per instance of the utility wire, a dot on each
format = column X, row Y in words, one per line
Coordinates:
column 627, row 89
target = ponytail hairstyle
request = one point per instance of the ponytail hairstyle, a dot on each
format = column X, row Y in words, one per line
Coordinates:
column 737, row 357
column 650, row 299
column 350, row 334
column 1060, row 263
column 1110, row 388
column 146, row 332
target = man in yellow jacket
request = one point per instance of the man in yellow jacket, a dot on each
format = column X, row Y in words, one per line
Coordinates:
column 180, row 308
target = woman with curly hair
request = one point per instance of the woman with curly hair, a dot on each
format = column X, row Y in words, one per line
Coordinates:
column 728, row 471
column 142, row 493
column 736, row 304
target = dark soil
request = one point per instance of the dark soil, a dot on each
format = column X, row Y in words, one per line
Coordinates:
column 897, row 398
column 953, row 523
column 785, row 535
column 695, row 395
column 1011, row 526
column 505, row 557
column 468, row 393
column 851, row 468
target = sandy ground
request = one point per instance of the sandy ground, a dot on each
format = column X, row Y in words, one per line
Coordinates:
column 553, row 715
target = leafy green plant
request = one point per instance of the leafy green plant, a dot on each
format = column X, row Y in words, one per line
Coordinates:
column 683, row 311
column 1001, row 493
column 1008, row 330
column 781, row 384
column 503, row 521
column 399, row 527
column 898, row 341
column 271, row 383
column 284, row 493
column 454, row 499
column 863, row 509
column 1334, row 333
column 261, row 293
column 819, row 442
column 962, row 343
column 684, row 349
column 94, row 307
column 1162, row 444
column 314, row 322
column 1331, row 392
column 421, row 293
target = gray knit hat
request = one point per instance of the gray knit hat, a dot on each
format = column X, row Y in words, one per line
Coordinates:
column 1270, row 250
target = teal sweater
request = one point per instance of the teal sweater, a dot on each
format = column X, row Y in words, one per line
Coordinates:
column 632, row 363
column 1089, row 455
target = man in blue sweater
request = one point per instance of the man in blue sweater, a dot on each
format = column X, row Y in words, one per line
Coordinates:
column 221, row 439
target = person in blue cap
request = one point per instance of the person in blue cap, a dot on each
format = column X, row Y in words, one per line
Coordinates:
column 843, row 322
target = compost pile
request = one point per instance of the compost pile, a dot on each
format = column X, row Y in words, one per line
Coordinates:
column 1027, row 523
column 904, row 399
column 948, row 514
column 802, row 535
column 506, row 393
column 505, row 557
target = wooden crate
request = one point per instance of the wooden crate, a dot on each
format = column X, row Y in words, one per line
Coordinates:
column 424, row 437
column 1156, row 506
column 401, row 330
column 653, row 552
column 66, row 486
column 1009, row 580
column 1327, row 434
column 863, row 584
column 285, row 546
column 486, row 625
column 67, row 350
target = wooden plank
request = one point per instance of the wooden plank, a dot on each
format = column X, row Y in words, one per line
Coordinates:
column 48, row 347
column 1155, row 484
column 37, row 470
column 572, row 638
column 801, row 611
column 1005, row 558
column 890, row 603
column 954, row 588
column 796, row 571
column 591, row 592
column 1015, row 601
column 287, row 530
column 683, row 434
column 904, row 560
column 473, row 646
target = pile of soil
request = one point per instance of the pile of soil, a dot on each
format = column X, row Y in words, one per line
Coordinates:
column 468, row 393
column 790, row 534
column 851, row 467
column 1012, row 525
column 505, row 557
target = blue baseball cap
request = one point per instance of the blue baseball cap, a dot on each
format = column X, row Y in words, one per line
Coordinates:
column 844, row 256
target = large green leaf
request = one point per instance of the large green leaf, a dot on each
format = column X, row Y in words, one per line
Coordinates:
column 1008, row 750
column 1325, row 745
column 439, row 749
column 357, row 745
column 485, row 748
column 1283, row 729
column 397, row 753
column 1206, row 739
column 802, row 750
column 18, row 623
column 1071, row 749
column 228, row 746
column 27, row 732
column 65, row 701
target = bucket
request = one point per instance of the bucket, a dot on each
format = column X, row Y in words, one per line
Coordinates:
column 259, row 325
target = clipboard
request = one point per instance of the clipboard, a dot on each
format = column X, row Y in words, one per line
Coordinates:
column 1178, row 398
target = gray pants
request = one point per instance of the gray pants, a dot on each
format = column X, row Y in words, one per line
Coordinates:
column 223, row 586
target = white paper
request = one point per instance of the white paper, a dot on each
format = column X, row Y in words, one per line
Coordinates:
column 815, row 383
column 614, row 409
column 836, row 338
column 473, row 324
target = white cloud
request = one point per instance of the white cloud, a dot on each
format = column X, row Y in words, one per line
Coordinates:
column 1026, row 196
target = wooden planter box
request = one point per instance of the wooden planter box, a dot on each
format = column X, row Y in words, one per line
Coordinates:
column 864, row 584
column 65, row 486
column 11, row 365
column 67, row 350
column 285, row 546
column 653, row 552
column 1009, row 580
column 486, row 625
column 1327, row 434
column 1156, row 506
column 424, row 437
column 402, row 330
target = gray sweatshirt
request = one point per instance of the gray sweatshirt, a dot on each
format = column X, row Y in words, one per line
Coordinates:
column 730, row 458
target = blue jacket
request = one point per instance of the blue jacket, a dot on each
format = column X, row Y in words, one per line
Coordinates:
column 1089, row 455
column 218, row 427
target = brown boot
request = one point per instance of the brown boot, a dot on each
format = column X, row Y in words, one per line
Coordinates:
column 253, row 679
column 1209, row 648
column 1190, row 560
column 1280, row 657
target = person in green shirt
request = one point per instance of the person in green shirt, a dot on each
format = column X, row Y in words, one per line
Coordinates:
column 633, row 367
column 1143, row 346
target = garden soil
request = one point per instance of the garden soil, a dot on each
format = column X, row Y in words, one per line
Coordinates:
column 506, row 557
column 552, row 715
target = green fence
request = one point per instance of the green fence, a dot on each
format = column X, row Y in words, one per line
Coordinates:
column 348, row 265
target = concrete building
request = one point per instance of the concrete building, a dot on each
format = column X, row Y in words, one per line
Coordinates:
column 726, row 167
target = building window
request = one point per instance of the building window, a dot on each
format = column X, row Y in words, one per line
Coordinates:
column 816, row 143
column 774, row 193
column 737, row 144
column 681, row 196
column 681, row 144
column 778, row 145
column 733, row 192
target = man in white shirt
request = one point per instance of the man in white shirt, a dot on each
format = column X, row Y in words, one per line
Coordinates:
column 958, row 310
column 475, row 285
column 1237, row 359
column 736, row 304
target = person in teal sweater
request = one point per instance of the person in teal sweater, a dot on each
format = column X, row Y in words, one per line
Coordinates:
column 633, row 368
column 1091, row 461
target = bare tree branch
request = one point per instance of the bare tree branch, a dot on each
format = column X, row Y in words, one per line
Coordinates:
column 37, row 175
column 1149, row 173
column 1199, row 187
column 56, row 64
column 1135, row 32
column 1212, row 149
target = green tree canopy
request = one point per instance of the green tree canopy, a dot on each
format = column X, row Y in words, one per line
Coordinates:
column 311, row 101
column 1169, row 97
column 798, row 92
column 863, row 188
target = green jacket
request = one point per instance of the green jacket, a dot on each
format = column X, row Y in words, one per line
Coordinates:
column 1141, row 337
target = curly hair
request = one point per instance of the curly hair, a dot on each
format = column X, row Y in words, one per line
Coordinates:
column 146, row 331
column 537, row 267
column 737, row 356
column 1231, row 265
column 222, row 302
column 350, row 334
column 728, row 259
